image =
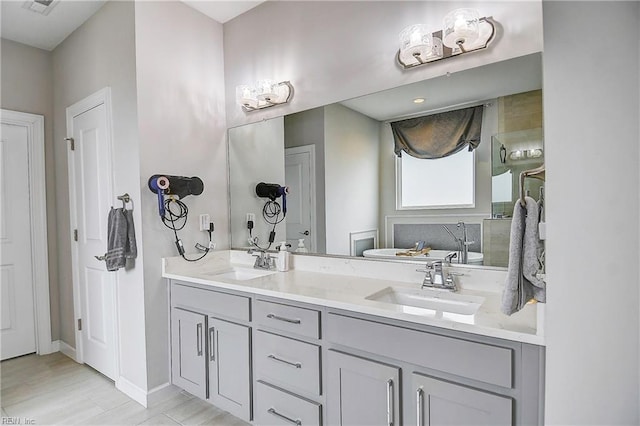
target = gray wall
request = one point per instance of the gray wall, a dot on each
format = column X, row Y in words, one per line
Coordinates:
column 351, row 175
column 101, row 53
column 180, row 91
column 256, row 154
column 307, row 128
column 591, row 107
column 332, row 51
column 27, row 86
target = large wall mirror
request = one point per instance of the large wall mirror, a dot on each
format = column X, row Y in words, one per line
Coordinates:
column 343, row 176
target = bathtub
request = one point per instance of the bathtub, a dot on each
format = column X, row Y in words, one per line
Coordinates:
column 475, row 258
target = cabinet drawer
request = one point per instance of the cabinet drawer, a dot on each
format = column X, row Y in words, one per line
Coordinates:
column 473, row 360
column 210, row 302
column 293, row 319
column 275, row 407
column 287, row 362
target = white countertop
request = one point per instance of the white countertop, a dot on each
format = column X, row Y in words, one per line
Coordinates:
column 344, row 283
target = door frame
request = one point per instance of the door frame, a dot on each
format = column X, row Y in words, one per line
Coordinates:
column 102, row 96
column 311, row 150
column 38, row 222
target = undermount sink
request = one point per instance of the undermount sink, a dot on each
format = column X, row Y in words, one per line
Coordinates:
column 240, row 274
column 429, row 301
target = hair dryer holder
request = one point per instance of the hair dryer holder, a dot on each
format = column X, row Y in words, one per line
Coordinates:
column 180, row 186
column 273, row 191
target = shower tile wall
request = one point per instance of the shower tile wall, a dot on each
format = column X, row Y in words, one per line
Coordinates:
column 521, row 111
column 496, row 234
column 435, row 236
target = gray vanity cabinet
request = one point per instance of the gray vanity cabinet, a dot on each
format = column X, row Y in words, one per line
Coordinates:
column 279, row 362
column 211, row 346
column 362, row 391
column 188, row 351
column 437, row 402
column 229, row 361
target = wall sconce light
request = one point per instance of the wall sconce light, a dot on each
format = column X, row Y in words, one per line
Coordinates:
column 463, row 32
column 264, row 94
column 523, row 154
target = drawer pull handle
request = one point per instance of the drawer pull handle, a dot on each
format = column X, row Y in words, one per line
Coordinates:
column 273, row 412
column 293, row 364
column 419, row 402
column 390, row 404
column 275, row 317
column 199, row 338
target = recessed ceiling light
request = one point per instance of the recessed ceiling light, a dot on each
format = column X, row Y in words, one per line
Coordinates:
column 418, row 100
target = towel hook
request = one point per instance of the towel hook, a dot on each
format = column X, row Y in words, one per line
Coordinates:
column 125, row 198
column 537, row 173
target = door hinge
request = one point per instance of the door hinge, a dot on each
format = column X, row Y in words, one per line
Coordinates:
column 75, row 235
column 72, row 143
column 79, row 324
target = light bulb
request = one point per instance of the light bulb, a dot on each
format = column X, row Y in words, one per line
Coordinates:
column 460, row 26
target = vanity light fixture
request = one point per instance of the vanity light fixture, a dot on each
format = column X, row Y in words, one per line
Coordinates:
column 463, row 32
column 523, row 154
column 264, row 94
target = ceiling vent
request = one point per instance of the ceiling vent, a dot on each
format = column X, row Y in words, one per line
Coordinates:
column 42, row 7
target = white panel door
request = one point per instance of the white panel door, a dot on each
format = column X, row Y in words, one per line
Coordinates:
column 18, row 336
column 91, row 176
column 299, row 177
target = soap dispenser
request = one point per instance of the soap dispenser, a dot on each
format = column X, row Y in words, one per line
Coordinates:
column 301, row 248
column 282, row 262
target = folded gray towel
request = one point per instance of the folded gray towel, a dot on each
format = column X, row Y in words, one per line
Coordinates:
column 525, row 249
column 121, row 240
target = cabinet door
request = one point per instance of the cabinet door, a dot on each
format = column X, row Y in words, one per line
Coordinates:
column 229, row 367
column 362, row 392
column 188, row 360
column 436, row 402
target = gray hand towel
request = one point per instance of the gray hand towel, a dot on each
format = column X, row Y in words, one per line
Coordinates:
column 525, row 248
column 121, row 239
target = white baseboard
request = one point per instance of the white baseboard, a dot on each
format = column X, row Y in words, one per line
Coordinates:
column 142, row 397
column 65, row 349
column 132, row 391
column 55, row 346
column 47, row 348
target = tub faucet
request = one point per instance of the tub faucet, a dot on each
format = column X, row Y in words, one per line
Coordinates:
column 462, row 243
column 450, row 257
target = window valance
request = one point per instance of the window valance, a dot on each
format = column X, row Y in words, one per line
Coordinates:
column 438, row 135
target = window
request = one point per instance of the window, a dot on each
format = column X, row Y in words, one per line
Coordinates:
column 447, row 182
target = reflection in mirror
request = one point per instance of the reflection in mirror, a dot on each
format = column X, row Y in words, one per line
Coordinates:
column 339, row 164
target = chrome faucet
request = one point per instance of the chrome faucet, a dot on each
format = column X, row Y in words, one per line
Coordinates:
column 435, row 278
column 462, row 243
column 263, row 259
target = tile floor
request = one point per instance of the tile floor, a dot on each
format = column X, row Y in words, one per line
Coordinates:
column 54, row 389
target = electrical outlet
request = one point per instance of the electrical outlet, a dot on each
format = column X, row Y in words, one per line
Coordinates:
column 204, row 222
column 251, row 217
